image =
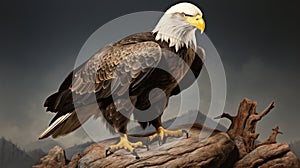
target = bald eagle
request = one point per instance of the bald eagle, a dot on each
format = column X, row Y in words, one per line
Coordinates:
column 128, row 70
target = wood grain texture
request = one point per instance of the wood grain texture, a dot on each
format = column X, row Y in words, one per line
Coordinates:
column 216, row 151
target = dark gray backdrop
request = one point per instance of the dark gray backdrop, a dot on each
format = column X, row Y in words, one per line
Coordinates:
column 257, row 41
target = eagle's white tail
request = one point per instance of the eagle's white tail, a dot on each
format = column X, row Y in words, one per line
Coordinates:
column 55, row 125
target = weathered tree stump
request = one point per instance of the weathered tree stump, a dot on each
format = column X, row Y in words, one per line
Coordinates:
column 243, row 125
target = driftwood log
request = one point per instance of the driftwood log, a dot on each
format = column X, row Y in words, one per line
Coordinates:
column 235, row 148
column 216, row 151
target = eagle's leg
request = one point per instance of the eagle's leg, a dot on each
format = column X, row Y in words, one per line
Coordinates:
column 162, row 133
column 125, row 144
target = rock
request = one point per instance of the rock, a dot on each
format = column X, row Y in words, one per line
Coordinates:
column 270, row 156
column 55, row 158
column 217, row 151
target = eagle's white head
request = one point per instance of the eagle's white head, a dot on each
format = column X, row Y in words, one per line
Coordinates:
column 179, row 24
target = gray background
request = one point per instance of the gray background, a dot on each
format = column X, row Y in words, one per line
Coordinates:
column 40, row 40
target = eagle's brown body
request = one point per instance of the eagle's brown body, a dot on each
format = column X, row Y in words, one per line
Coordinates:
column 94, row 81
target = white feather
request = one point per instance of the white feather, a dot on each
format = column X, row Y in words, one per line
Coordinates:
column 173, row 28
column 184, row 7
column 55, row 123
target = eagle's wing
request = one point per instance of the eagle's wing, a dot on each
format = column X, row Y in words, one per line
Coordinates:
column 110, row 71
column 114, row 67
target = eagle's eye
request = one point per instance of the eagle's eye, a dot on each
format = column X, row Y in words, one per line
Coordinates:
column 187, row 15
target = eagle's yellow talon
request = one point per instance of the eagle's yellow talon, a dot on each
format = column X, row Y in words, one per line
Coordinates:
column 162, row 134
column 124, row 144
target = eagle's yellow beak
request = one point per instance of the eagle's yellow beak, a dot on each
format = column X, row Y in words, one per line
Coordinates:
column 196, row 21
